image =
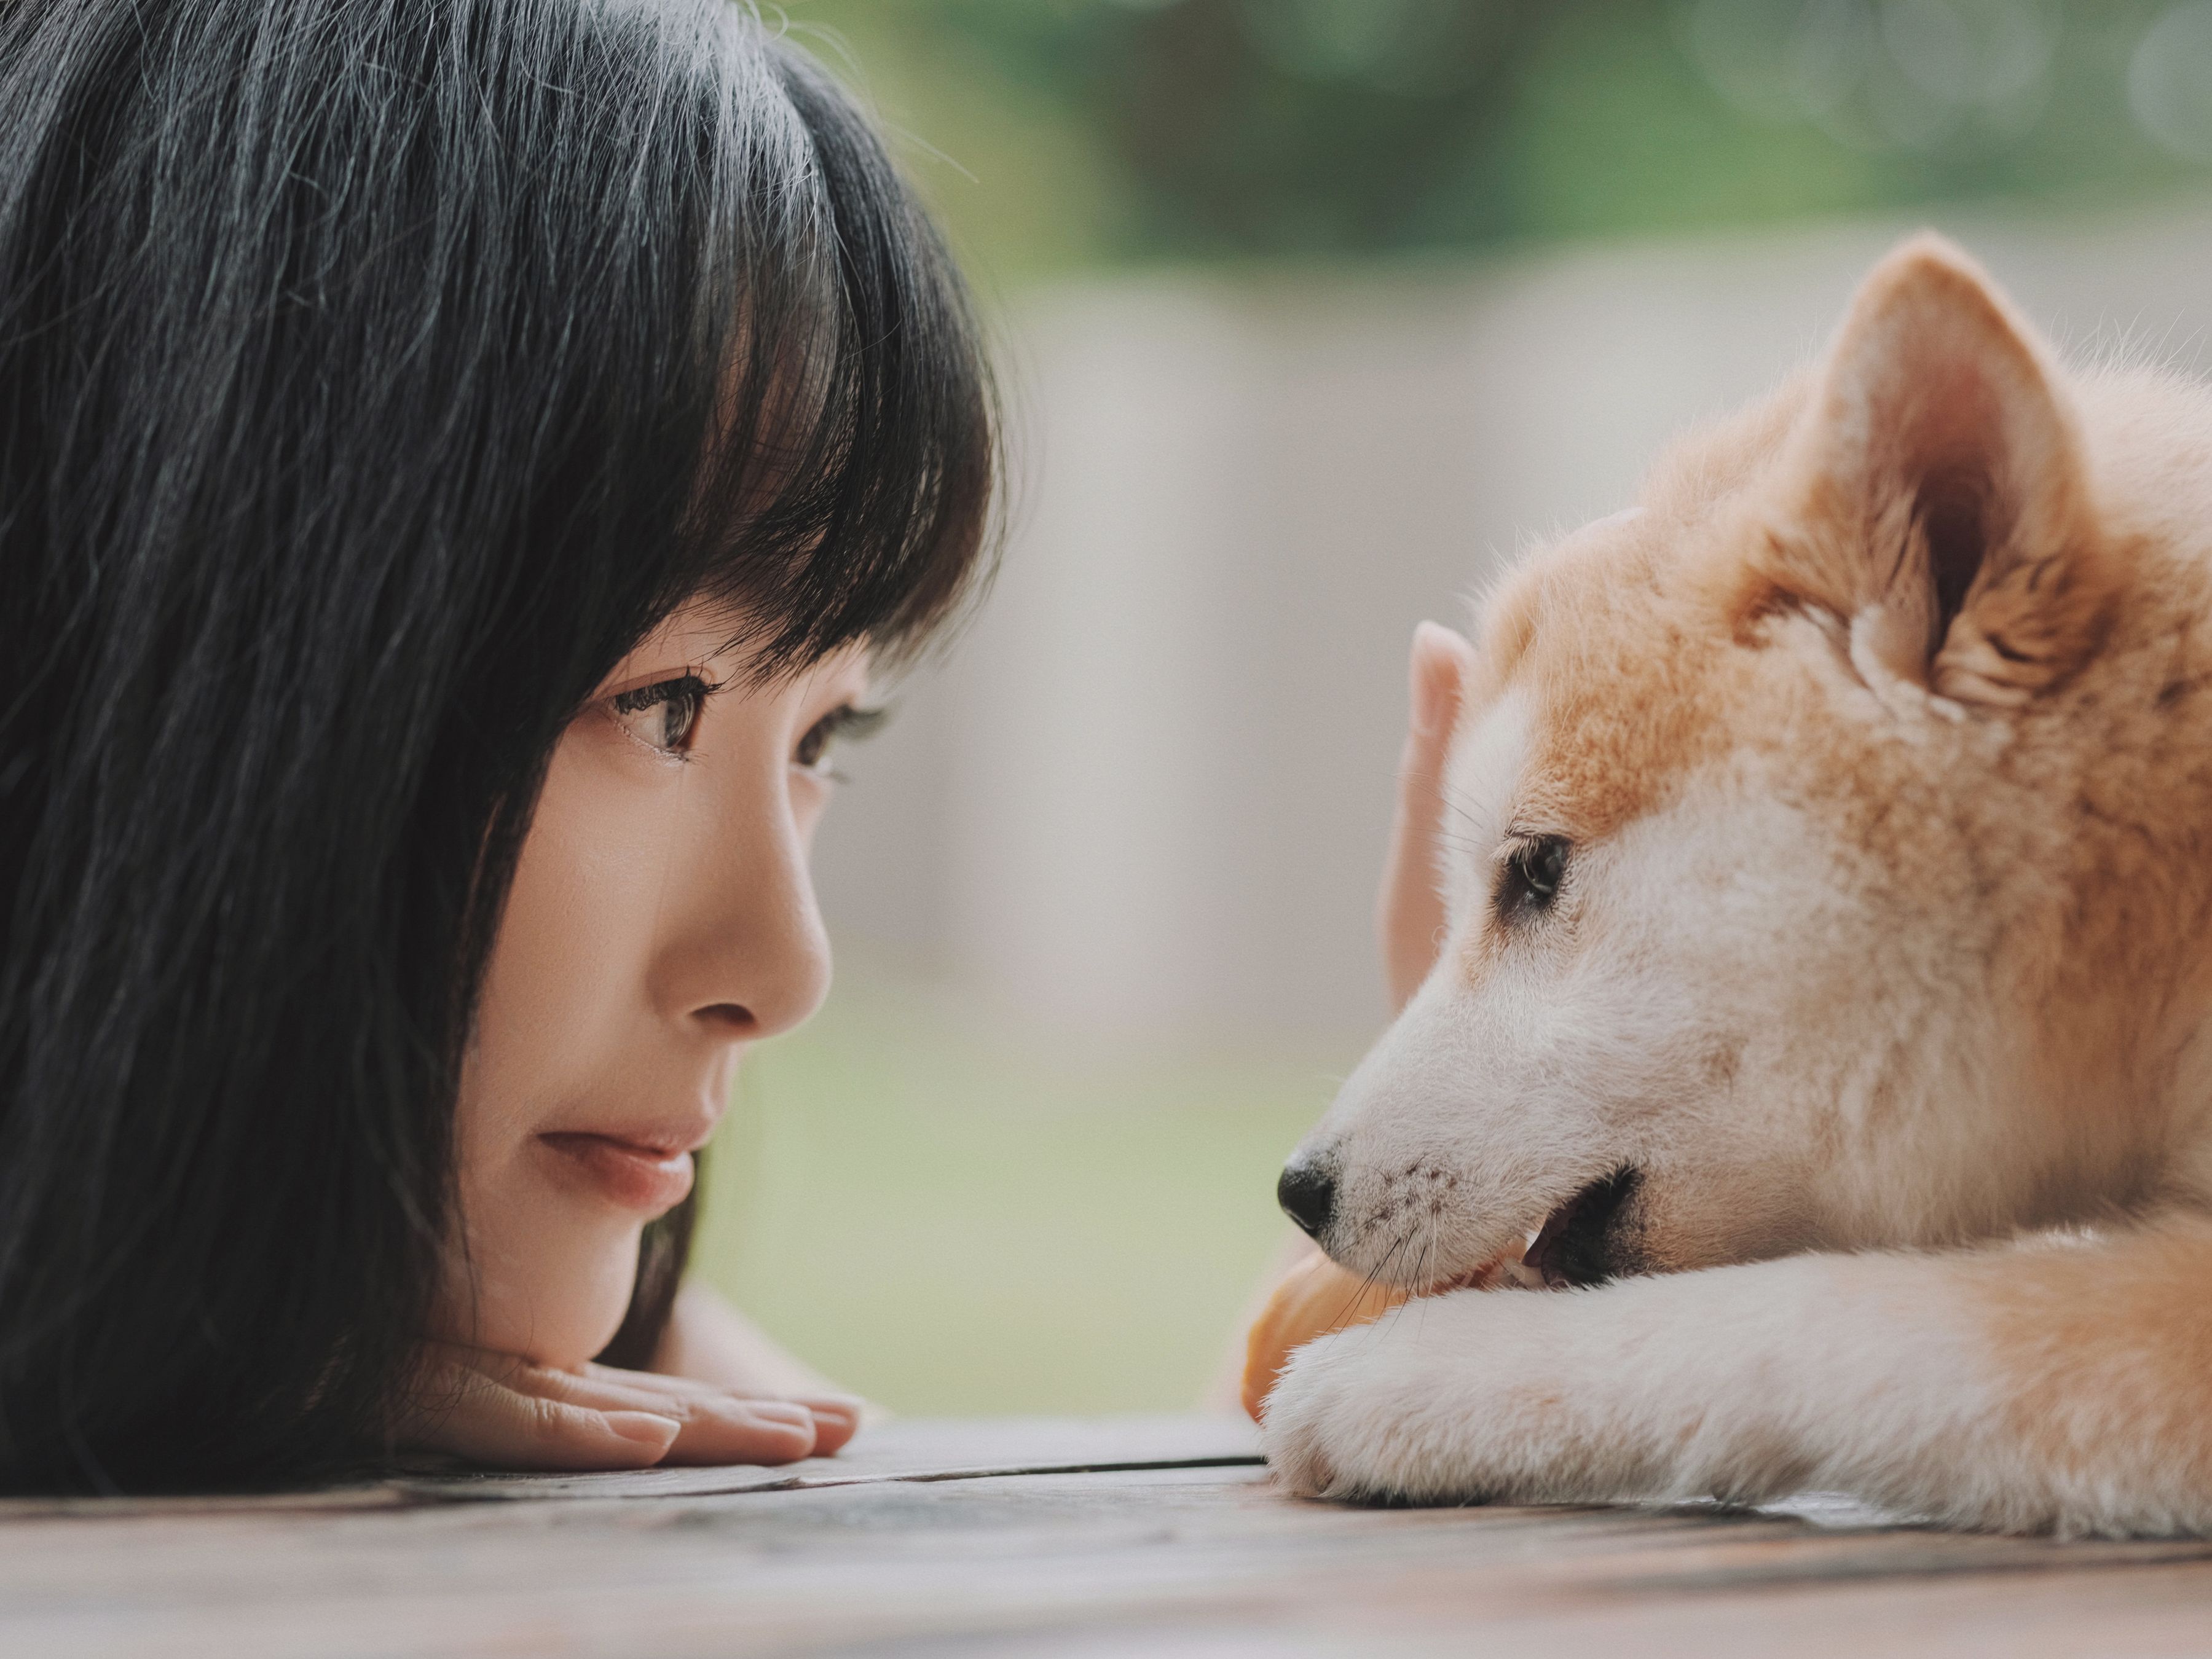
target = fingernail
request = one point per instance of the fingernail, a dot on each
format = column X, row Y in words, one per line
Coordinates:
column 783, row 1413
column 841, row 1411
column 649, row 1428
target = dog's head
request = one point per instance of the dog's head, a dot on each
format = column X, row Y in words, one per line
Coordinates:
column 1782, row 914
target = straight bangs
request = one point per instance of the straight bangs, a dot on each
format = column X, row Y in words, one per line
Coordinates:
column 846, row 490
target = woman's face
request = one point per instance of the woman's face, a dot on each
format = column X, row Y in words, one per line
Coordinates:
column 662, row 918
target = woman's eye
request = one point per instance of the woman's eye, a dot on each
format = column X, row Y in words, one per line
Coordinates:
column 663, row 715
column 848, row 723
column 1530, row 879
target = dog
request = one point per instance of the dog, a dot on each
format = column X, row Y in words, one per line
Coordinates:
column 1825, row 1019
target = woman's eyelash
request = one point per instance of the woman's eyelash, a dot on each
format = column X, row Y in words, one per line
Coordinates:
column 678, row 701
column 845, row 724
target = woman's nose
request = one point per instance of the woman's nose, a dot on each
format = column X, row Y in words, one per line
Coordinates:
column 748, row 956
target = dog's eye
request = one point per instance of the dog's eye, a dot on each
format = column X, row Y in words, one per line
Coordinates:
column 1530, row 879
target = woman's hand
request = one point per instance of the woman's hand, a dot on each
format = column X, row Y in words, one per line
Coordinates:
column 501, row 1409
column 1409, row 915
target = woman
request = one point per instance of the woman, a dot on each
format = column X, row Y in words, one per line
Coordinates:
column 461, row 462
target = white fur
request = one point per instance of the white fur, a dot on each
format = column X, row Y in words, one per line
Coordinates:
column 1485, row 764
column 1883, row 1214
column 1590, row 1049
column 1627, row 1029
column 1746, row 1384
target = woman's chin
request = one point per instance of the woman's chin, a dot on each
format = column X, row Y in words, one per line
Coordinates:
column 565, row 1342
column 561, row 1310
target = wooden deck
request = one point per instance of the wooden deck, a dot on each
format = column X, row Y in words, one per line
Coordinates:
column 1158, row 1537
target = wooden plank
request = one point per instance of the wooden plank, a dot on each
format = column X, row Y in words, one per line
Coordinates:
column 1205, row 1561
column 913, row 1450
column 372, row 1495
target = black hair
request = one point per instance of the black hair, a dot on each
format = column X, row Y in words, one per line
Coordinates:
column 373, row 375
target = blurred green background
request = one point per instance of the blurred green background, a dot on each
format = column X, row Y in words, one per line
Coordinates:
column 958, row 1207
column 955, row 1218
column 1059, row 135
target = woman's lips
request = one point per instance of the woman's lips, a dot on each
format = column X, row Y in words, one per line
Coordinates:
column 651, row 1179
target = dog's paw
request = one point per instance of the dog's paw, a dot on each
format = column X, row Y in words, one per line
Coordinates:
column 1321, row 1428
column 1407, row 1410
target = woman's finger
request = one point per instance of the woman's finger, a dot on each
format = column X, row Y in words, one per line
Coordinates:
column 721, row 1425
column 836, row 1421
column 838, row 1417
column 471, row 1414
column 718, row 1427
column 502, row 1408
column 1410, row 914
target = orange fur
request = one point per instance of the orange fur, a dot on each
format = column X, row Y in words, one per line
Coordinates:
column 1881, row 734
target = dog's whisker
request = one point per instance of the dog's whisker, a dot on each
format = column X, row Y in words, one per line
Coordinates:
column 1368, row 1283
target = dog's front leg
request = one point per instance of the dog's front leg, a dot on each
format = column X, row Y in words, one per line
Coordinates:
column 2054, row 1383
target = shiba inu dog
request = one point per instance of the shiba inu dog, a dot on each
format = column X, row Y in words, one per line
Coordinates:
column 1825, row 1018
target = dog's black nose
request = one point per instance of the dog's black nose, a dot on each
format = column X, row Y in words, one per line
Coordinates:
column 1307, row 1195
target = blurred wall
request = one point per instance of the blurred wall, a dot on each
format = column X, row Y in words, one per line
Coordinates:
column 1146, row 798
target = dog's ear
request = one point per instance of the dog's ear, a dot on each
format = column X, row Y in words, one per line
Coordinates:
column 1935, row 494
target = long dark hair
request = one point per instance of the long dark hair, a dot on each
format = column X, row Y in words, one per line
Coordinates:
column 373, row 375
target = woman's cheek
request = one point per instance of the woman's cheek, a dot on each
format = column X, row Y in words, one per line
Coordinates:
column 539, row 1267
